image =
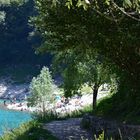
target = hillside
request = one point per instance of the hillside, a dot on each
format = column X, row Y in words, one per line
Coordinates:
column 17, row 40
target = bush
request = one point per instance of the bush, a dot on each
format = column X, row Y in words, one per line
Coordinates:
column 41, row 89
column 48, row 116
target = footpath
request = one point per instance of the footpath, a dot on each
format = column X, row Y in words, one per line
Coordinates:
column 68, row 130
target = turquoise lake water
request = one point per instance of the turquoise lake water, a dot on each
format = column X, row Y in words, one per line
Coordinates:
column 10, row 119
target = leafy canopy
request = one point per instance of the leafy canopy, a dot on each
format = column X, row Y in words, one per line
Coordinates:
column 41, row 88
column 65, row 29
column 83, row 31
column 109, row 27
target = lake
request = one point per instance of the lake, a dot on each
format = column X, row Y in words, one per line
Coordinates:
column 10, row 119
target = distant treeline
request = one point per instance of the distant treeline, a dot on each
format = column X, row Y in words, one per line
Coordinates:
column 17, row 41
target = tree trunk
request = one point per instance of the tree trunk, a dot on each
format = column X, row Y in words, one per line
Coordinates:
column 43, row 110
column 95, row 92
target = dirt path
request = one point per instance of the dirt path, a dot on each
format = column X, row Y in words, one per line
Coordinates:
column 68, row 130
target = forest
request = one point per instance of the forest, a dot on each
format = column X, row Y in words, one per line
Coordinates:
column 17, row 42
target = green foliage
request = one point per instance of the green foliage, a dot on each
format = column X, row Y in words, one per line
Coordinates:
column 119, row 107
column 79, row 113
column 94, row 71
column 41, row 89
column 88, row 31
column 88, row 70
column 127, row 3
column 17, row 44
column 49, row 116
column 109, row 29
column 8, row 2
column 109, row 9
column 85, row 89
column 2, row 16
column 101, row 136
column 79, row 69
column 132, row 4
column 29, row 131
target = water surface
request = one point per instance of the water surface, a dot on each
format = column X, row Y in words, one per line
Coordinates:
column 10, row 119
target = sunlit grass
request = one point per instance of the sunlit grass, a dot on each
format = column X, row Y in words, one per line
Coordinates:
column 28, row 131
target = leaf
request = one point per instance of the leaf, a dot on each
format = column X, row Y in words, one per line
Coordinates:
column 82, row 3
column 127, row 3
column 69, row 4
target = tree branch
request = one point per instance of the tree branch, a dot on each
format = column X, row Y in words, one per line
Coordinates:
column 125, row 13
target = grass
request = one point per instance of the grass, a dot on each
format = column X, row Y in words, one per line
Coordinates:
column 51, row 115
column 29, row 131
column 119, row 109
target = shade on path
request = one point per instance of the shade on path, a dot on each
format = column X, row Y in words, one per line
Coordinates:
column 68, row 129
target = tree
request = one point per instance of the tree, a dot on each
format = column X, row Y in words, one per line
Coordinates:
column 113, row 10
column 67, row 29
column 95, row 74
column 18, row 42
column 77, row 70
column 104, row 28
column 41, row 89
column 6, row 3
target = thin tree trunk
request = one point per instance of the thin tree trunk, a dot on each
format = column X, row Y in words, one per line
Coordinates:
column 43, row 107
column 95, row 92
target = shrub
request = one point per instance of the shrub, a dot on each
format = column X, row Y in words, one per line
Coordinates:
column 41, row 89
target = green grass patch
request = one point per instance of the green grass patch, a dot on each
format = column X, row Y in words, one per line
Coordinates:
column 52, row 115
column 119, row 108
column 29, row 131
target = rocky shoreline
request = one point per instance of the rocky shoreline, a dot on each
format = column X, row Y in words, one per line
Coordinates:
column 10, row 91
column 15, row 106
column 13, row 96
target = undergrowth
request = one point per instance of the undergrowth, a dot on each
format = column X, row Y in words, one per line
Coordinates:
column 119, row 108
column 28, row 131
